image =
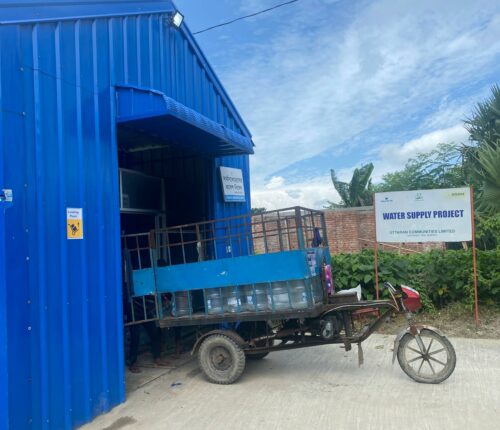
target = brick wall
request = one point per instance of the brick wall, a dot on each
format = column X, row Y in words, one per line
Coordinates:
column 272, row 233
column 349, row 230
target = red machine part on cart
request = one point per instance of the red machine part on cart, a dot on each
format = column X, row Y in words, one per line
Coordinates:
column 412, row 301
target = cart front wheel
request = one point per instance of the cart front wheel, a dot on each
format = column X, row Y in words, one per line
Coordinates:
column 428, row 358
column 221, row 359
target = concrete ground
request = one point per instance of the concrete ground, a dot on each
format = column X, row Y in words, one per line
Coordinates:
column 319, row 388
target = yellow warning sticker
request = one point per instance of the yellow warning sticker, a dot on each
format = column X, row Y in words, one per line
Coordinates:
column 74, row 222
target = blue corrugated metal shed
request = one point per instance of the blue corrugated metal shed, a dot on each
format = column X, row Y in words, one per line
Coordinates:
column 61, row 335
column 4, row 416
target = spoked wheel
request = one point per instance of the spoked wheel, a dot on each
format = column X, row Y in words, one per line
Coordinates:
column 428, row 358
column 221, row 359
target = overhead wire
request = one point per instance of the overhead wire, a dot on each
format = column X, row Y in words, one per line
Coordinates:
column 246, row 16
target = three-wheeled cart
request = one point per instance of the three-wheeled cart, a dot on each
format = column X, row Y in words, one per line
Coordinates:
column 254, row 284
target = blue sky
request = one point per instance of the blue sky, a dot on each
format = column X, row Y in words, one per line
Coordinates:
column 337, row 83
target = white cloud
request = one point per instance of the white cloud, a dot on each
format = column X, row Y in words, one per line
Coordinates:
column 372, row 80
column 393, row 157
column 313, row 194
column 311, row 88
column 424, row 143
column 275, row 182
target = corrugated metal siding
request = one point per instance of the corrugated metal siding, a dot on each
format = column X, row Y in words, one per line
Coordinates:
column 65, row 346
column 4, row 410
column 222, row 209
column 225, row 210
column 64, row 310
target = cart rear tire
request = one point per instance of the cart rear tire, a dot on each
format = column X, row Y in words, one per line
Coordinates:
column 221, row 359
column 431, row 366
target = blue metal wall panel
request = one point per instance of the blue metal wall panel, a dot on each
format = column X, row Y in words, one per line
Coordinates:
column 57, row 345
column 18, row 163
column 4, row 371
column 222, row 209
column 63, row 298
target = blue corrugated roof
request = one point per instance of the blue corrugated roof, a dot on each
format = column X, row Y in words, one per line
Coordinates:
column 14, row 11
column 154, row 113
column 26, row 11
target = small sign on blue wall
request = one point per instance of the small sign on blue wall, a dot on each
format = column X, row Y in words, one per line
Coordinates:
column 233, row 186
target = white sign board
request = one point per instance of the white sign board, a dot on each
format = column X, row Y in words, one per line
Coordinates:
column 233, row 186
column 424, row 216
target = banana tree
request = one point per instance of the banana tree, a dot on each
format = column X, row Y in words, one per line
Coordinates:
column 358, row 192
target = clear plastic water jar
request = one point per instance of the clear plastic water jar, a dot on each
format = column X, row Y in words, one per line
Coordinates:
column 232, row 301
column 248, row 300
column 298, row 294
column 281, row 298
column 317, row 287
column 214, row 301
column 182, row 305
column 262, row 301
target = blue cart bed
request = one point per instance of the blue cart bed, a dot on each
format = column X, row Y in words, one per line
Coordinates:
column 269, row 266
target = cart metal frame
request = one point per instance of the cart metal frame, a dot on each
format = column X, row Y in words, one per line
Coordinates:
column 209, row 275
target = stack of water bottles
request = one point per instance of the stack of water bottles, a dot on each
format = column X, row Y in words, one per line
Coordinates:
column 265, row 297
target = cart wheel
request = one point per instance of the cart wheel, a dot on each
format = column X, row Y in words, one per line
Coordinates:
column 221, row 359
column 431, row 362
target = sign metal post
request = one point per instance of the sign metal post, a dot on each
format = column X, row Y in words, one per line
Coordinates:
column 377, row 294
column 474, row 261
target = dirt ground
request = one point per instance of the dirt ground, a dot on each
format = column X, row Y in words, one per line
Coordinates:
column 455, row 321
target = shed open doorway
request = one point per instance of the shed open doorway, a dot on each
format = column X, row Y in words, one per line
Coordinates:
column 160, row 186
column 168, row 156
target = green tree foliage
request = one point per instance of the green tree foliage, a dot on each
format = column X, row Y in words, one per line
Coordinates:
column 441, row 277
column 488, row 175
column 444, row 168
column 482, row 156
column 440, row 168
column 484, row 124
column 487, row 231
column 358, row 192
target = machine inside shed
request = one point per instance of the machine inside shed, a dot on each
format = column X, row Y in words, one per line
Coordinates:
column 161, row 184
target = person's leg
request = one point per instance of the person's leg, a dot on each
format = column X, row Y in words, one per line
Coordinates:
column 134, row 348
column 177, row 338
column 154, row 334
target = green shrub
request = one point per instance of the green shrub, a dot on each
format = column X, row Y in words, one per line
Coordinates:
column 488, row 276
column 441, row 277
